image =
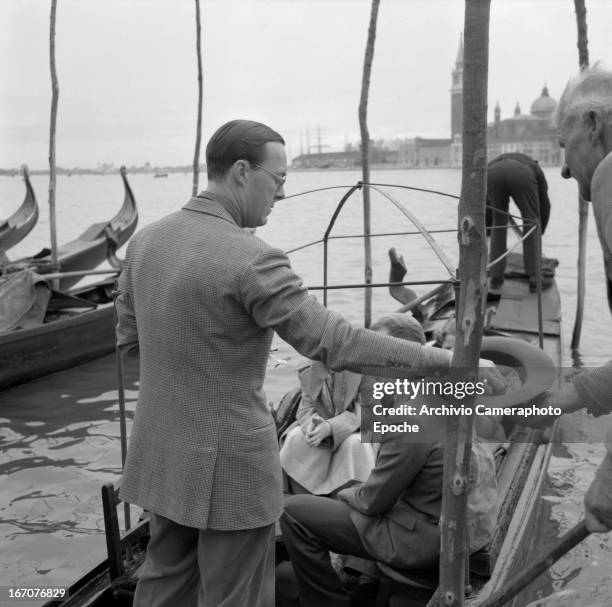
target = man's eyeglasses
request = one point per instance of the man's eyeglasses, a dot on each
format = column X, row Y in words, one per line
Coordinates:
column 280, row 179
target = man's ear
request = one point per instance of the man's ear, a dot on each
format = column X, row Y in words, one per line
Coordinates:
column 239, row 171
column 594, row 125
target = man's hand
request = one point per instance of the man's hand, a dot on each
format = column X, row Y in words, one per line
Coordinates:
column 494, row 381
column 319, row 430
column 598, row 499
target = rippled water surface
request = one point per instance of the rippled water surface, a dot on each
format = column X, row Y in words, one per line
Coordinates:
column 59, row 436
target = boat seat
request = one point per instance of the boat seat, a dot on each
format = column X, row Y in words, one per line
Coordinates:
column 405, row 588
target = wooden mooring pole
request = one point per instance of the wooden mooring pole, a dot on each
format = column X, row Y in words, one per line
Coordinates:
column 365, row 156
column 52, row 128
column 472, row 301
column 198, row 143
column 583, row 206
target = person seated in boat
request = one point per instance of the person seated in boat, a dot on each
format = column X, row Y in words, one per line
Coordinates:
column 322, row 452
column 584, row 122
column 521, row 178
column 392, row 517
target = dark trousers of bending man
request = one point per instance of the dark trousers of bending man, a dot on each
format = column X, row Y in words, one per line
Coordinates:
column 519, row 177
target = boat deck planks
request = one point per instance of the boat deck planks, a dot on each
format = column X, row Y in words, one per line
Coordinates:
column 518, row 308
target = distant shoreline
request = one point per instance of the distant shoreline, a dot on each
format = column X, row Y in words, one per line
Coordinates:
column 163, row 171
column 188, row 170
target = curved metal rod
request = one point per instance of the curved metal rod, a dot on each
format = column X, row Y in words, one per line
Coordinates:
column 409, row 187
column 516, row 244
column 381, row 234
column 304, row 246
column 428, row 237
column 329, row 187
column 332, row 221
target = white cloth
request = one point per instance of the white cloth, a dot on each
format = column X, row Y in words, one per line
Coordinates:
column 321, row 470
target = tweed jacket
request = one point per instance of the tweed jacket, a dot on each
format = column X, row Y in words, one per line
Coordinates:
column 200, row 298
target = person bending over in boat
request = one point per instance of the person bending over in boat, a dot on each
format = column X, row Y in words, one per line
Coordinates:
column 584, row 122
column 322, row 452
column 519, row 177
column 201, row 298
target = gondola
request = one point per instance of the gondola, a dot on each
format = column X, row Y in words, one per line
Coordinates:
column 95, row 245
column 521, row 464
column 78, row 327
column 14, row 229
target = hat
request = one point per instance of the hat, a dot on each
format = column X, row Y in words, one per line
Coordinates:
column 532, row 371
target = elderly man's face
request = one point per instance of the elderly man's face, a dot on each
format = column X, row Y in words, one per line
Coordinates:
column 266, row 183
column 582, row 154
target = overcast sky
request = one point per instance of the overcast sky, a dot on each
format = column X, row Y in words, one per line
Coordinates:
column 127, row 70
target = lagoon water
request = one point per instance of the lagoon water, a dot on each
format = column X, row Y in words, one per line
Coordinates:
column 59, row 436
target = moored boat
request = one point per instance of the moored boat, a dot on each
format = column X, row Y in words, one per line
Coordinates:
column 79, row 327
column 16, row 227
column 78, row 324
column 98, row 243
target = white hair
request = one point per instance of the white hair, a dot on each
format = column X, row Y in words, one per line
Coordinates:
column 589, row 91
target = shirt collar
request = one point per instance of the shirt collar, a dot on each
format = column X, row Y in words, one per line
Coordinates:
column 215, row 205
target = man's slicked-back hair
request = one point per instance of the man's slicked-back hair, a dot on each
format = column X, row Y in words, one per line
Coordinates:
column 237, row 140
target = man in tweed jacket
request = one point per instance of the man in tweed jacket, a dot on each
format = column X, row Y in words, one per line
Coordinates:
column 200, row 298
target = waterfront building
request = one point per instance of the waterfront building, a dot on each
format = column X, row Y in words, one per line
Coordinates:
column 532, row 134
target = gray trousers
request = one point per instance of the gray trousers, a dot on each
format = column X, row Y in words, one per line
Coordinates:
column 312, row 526
column 188, row 567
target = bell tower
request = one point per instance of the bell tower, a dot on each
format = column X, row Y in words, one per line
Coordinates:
column 457, row 93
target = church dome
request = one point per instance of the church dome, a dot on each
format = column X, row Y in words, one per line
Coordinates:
column 544, row 105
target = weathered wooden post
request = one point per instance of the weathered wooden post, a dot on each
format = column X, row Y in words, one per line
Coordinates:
column 53, row 122
column 365, row 158
column 198, row 143
column 583, row 206
column 472, row 300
